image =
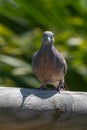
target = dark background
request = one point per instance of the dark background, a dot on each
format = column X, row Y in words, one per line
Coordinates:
column 22, row 23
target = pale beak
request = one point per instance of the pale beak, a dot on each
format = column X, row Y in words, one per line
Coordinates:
column 49, row 39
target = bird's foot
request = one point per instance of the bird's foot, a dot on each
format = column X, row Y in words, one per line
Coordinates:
column 42, row 88
column 60, row 87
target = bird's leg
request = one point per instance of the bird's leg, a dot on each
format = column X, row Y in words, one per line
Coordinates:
column 60, row 86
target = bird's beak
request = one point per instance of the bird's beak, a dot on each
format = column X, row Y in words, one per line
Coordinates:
column 48, row 38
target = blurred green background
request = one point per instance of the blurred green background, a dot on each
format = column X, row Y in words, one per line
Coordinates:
column 22, row 23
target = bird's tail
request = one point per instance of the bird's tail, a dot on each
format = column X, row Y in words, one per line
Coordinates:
column 65, row 86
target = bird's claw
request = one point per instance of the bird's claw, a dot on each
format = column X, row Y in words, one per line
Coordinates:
column 60, row 87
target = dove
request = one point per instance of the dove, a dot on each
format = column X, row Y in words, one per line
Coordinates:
column 48, row 64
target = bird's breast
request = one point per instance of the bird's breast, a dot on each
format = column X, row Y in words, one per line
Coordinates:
column 47, row 71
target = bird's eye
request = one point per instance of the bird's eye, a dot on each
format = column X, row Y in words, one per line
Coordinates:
column 44, row 36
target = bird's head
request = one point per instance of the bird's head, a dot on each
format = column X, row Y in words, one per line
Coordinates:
column 48, row 38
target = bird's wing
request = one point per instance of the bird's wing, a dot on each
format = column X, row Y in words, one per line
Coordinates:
column 35, row 61
column 65, row 67
column 61, row 63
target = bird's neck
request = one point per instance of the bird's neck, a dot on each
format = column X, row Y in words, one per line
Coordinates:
column 48, row 46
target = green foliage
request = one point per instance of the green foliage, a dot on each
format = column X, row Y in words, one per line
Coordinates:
column 22, row 23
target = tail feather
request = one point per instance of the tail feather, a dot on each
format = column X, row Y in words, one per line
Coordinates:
column 65, row 86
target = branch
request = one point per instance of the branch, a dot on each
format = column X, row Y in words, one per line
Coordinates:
column 34, row 109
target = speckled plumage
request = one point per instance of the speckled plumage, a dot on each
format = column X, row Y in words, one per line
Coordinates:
column 48, row 64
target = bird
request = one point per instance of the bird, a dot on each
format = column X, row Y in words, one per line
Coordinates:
column 49, row 65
